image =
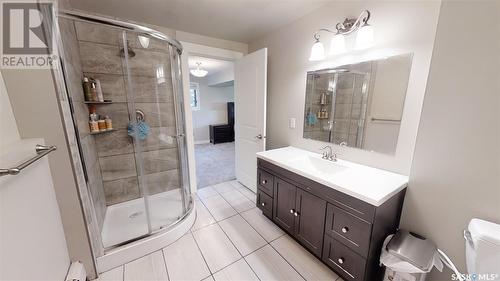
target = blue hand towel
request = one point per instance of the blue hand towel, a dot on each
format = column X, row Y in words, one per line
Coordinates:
column 142, row 129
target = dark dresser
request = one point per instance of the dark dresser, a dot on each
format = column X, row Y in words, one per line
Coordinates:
column 220, row 133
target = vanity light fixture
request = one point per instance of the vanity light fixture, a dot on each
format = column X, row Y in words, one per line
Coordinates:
column 198, row 72
column 364, row 37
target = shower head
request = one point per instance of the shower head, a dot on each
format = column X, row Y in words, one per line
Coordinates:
column 130, row 51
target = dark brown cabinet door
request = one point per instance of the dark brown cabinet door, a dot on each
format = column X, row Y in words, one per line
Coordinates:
column 284, row 204
column 310, row 221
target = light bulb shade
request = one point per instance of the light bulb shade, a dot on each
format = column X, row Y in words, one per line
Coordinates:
column 317, row 51
column 144, row 41
column 337, row 45
column 364, row 38
column 198, row 72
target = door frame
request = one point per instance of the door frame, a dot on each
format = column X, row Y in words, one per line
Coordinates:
column 191, row 49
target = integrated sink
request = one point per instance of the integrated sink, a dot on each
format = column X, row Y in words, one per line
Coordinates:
column 318, row 165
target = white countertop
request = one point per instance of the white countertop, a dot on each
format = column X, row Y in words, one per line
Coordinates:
column 372, row 185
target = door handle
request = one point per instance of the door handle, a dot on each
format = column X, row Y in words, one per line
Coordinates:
column 260, row 136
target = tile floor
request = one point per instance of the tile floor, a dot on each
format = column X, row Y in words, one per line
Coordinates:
column 230, row 240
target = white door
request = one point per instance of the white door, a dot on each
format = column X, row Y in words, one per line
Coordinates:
column 250, row 84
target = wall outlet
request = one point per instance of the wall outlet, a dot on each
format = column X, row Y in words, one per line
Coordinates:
column 291, row 123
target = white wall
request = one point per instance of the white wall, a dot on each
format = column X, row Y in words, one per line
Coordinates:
column 399, row 28
column 456, row 168
column 213, row 108
column 32, row 242
column 35, row 106
column 8, row 125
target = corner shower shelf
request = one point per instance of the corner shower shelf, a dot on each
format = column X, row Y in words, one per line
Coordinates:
column 98, row 102
column 103, row 132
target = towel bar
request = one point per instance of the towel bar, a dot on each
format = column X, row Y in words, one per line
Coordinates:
column 41, row 151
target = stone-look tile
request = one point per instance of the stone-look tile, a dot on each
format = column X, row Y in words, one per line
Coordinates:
column 71, row 52
column 118, row 112
column 89, row 151
column 184, row 260
column 218, row 207
column 98, row 33
column 121, row 190
column 100, row 58
column 245, row 191
column 97, row 192
column 159, row 138
column 262, row 224
column 269, row 265
column 217, row 249
column 147, row 89
column 203, row 217
column 81, row 114
column 224, row 187
column 162, row 181
column 117, row 167
column 206, row 192
column 304, row 262
column 155, row 161
column 114, row 143
column 236, row 271
column 150, row 267
column 115, row 274
column 158, row 114
column 113, row 86
column 238, row 201
column 145, row 63
column 243, row 236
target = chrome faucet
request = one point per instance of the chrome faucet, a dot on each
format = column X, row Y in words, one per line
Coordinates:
column 329, row 155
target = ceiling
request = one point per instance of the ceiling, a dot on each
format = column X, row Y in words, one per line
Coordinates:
column 210, row 65
column 237, row 20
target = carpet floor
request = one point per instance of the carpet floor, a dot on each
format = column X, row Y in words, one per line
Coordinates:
column 214, row 163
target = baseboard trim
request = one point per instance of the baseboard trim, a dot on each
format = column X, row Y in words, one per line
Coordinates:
column 202, row 142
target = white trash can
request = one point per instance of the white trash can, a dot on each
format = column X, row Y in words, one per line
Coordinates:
column 409, row 257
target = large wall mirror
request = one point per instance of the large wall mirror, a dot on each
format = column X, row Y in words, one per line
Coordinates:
column 358, row 105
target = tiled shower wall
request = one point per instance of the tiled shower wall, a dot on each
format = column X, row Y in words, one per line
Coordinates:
column 118, row 159
column 111, row 159
column 74, row 78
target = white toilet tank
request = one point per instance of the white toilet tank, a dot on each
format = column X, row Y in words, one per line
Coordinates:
column 482, row 248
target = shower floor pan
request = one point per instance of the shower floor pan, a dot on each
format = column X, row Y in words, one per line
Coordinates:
column 128, row 220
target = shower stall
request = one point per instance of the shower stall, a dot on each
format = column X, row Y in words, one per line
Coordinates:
column 134, row 171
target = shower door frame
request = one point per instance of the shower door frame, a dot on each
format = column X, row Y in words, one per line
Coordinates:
column 71, row 129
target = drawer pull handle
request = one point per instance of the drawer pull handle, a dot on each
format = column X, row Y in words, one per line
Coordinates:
column 292, row 211
column 345, row 229
column 264, row 181
column 263, row 204
column 296, row 214
column 341, row 260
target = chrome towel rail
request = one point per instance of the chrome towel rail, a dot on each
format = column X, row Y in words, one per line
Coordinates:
column 41, row 151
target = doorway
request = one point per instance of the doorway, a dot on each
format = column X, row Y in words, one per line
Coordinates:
column 250, row 76
column 211, row 93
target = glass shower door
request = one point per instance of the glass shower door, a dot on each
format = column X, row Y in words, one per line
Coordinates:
column 153, row 110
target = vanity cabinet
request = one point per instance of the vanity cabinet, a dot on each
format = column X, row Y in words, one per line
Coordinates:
column 346, row 233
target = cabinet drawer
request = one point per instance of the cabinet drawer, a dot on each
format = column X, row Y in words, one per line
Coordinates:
column 349, row 229
column 343, row 260
column 265, row 203
column 265, row 182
